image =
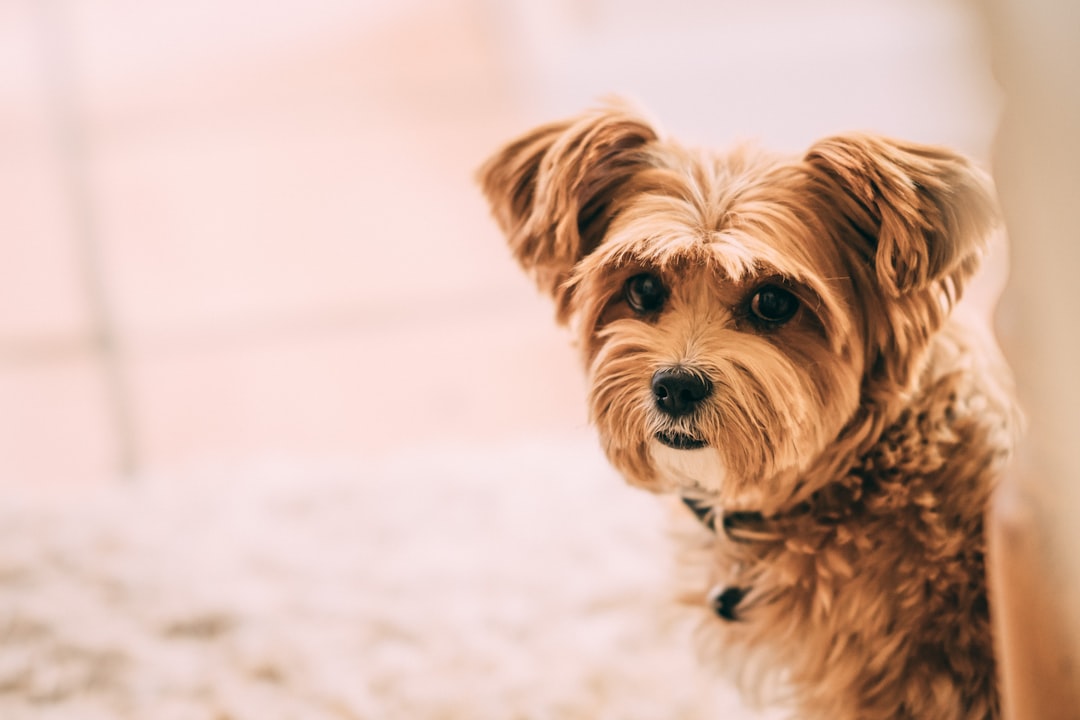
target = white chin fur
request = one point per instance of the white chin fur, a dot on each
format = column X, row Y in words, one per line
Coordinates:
column 700, row 468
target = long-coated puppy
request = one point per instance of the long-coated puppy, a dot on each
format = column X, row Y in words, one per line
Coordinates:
column 772, row 338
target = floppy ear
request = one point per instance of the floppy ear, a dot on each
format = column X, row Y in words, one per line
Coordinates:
column 553, row 190
column 927, row 210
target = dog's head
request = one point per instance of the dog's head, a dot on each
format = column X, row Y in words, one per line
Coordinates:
column 741, row 315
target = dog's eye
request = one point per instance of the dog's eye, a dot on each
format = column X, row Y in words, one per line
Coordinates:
column 645, row 293
column 773, row 305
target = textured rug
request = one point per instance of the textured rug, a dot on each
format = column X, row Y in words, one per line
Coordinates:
column 526, row 582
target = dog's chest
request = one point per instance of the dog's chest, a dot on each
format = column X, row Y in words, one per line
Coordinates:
column 879, row 575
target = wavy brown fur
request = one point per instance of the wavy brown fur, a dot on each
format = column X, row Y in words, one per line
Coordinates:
column 868, row 599
column 851, row 449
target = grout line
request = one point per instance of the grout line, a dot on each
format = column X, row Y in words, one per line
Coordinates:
column 59, row 76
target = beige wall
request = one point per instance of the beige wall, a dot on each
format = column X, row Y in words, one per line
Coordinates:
column 1037, row 166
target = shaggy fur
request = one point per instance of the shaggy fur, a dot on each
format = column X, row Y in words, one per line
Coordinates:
column 843, row 452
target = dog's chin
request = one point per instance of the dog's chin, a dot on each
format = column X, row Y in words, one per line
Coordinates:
column 687, row 464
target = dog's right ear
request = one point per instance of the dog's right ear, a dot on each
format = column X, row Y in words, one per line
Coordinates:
column 553, row 191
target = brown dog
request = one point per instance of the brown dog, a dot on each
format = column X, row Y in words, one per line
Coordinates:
column 772, row 339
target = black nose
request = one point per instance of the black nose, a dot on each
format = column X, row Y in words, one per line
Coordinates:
column 679, row 391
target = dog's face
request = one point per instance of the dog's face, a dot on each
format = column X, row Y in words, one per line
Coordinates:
column 742, row 316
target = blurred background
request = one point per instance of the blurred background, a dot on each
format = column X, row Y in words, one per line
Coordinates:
column 282, row 427
column 233, row 228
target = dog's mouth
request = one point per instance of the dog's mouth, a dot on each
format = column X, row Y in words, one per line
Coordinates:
column 680, row 441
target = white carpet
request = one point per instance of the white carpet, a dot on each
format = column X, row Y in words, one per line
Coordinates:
column 524, row 583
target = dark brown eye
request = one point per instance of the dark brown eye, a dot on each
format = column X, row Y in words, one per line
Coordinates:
column 645, row 293
column 773, row 305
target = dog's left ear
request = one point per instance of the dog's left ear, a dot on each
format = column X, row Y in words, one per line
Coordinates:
column 554, row 191
column 927, row 210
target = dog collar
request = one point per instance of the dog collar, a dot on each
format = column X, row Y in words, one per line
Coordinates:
column 725, row 600
column 702, row 512
column 744, row 526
